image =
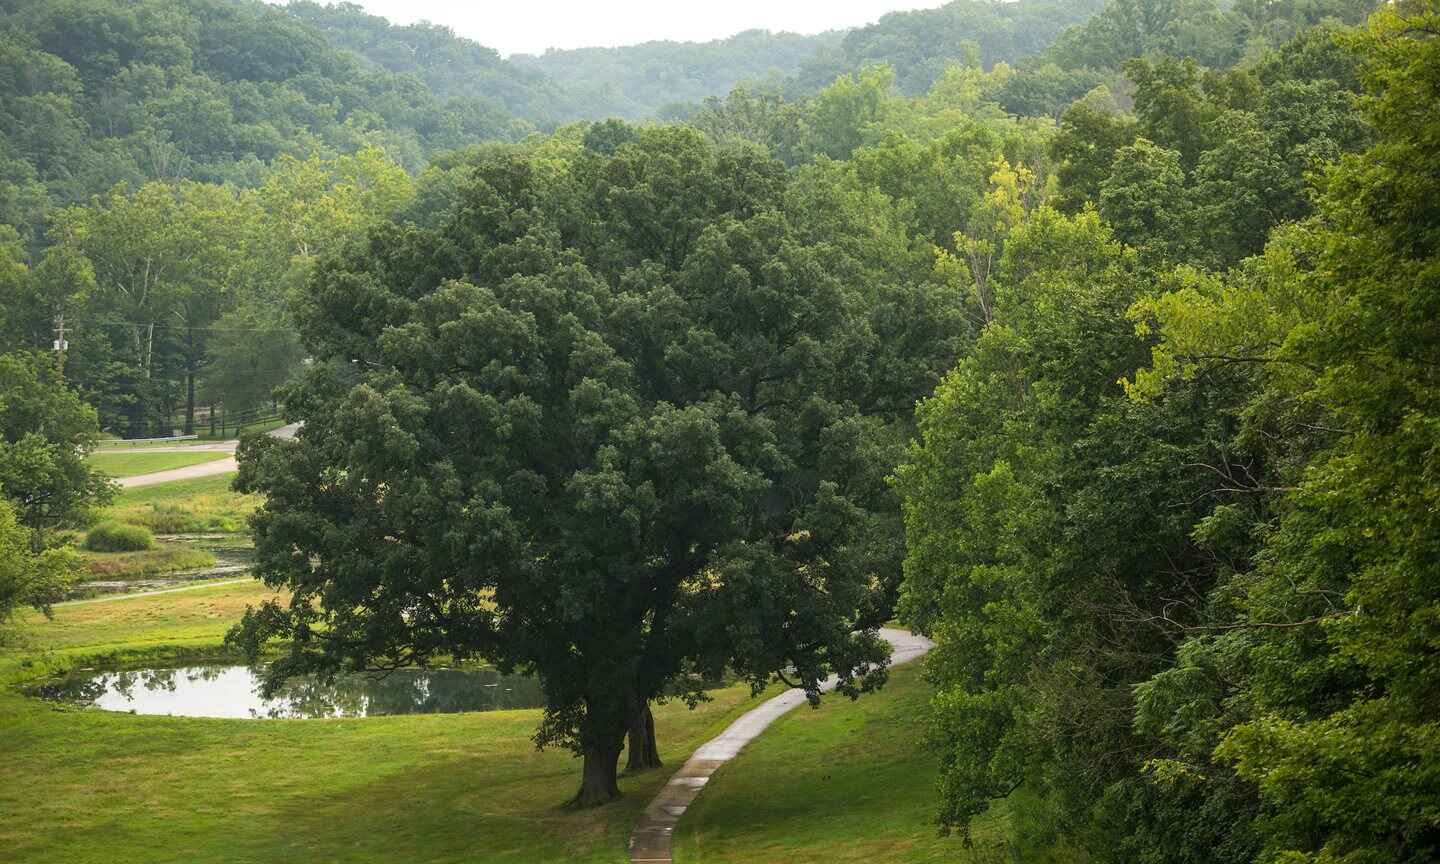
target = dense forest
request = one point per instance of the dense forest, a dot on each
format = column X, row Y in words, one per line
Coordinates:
column 1098, row 342
column 110, row 107
column 657, row 79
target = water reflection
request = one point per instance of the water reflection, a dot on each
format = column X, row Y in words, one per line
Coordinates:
column 234, row 691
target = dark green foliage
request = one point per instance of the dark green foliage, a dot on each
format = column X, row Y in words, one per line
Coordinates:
column 45, row 433
column 1044, row 89
column 1091, row 133
column 921, row 43
column 641, row 82
column 1193, row 619
column 607, row 137
column 1246, row 142
column 764, row 117
column 489, row 96
column 29, row 577
column 1212, row 34
column 606, row 429
column 101, row 91
column 118, row 537
column 1143, row 200
column 45, row 482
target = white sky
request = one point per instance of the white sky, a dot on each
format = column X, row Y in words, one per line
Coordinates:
column 531, row 26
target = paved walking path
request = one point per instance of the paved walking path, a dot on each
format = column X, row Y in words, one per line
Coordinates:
column 650, row 842
column 203, row 469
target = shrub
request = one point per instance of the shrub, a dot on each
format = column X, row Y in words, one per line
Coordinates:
column 118, row 537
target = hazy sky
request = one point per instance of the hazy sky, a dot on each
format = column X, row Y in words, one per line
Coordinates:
column 531, row 26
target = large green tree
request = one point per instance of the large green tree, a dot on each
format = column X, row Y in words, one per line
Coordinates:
column 46, row 431
column 29, row 577
column 600, row 431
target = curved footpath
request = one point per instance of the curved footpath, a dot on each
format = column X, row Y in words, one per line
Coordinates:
column 650, row 842
column 204, row 469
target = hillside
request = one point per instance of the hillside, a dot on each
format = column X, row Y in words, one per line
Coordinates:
column 641, row 81
column 98, row 92
column 920, row 43
column 452, row 66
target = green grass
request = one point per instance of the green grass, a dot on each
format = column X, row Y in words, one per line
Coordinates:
column 92, row 786
column 849, row 782
column 133, row 464
column 164, row 558
column 185, row 506
column 180, row 619
column 115, row 536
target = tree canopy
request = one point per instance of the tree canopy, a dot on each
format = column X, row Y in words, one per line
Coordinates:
column 614, row 422
column 1189, row 618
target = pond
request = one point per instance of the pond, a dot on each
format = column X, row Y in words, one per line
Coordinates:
column 234, row 691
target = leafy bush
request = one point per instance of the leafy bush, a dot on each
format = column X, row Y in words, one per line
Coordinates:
column 118, row 537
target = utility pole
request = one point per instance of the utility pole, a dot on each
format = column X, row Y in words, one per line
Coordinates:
column 60, row 343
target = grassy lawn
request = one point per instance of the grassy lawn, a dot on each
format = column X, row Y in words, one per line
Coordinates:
column 185, row 506
column 101, row 787
column 849, row 782
column 125, row 464
column 164, row 558
column 846, row 783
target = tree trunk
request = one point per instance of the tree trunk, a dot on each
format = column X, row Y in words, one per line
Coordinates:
column 189, row 383
column 644, row 755
column 599, row 782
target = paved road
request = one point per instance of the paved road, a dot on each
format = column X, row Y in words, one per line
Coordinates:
column 650, row 842
column 204, row 469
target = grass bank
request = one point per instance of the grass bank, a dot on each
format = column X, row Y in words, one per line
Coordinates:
column 92, row 786
column 185, row 506
column 120, row 464
column 849, row 782
column 164, row 558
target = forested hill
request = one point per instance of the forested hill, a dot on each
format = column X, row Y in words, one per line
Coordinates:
column 98, row 92
column 642, row 81
column 919, row 44
column 452, row 66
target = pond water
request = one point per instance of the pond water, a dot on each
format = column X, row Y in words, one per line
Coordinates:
column 234, row 691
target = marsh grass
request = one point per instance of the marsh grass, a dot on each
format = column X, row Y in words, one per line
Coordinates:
column 206, row 504
column 114, row 536
column 163, row 558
